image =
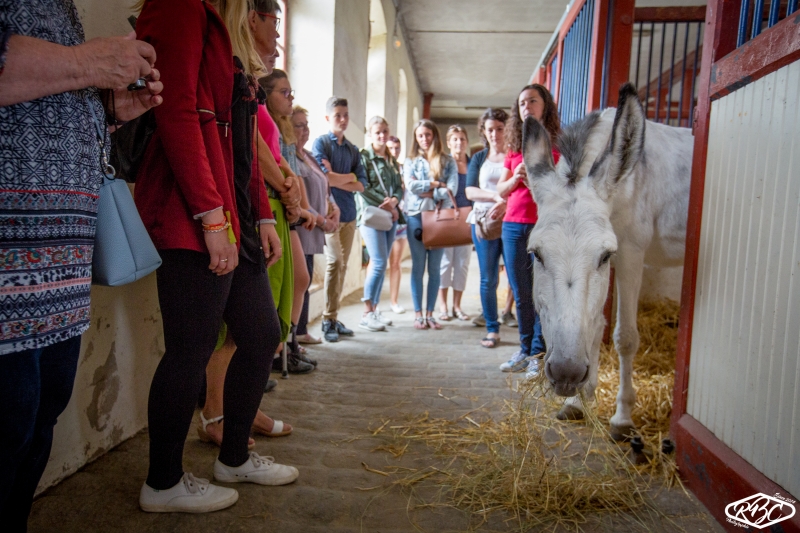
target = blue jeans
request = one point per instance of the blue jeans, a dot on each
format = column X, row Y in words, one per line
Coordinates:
column 419, row 255
column 379, row 244
column 519, row 266
column 35, row 387
column 489, row 262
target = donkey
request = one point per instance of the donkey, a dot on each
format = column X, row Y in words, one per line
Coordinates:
column 615, row 197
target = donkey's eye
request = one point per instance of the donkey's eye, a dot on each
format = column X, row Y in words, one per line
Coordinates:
column 538, row 256
column 606, row 258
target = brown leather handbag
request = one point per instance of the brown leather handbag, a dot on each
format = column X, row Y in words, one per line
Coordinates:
column 443, row 228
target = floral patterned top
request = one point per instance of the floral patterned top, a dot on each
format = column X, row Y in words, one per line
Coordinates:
column 49, row 183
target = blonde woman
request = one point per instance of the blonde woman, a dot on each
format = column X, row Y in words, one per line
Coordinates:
column 455, row 261
column 203, row 219
column 384, row 191
column 428, row 173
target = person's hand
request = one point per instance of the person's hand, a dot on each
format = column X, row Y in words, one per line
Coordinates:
column 292, row 196
column 428, row 194
column 520, row 174
column 116, row 62
column 293, row 214
column 327, row 165
column 270, row 243
column 395, row 214
column 224, row 255
column 498, row 210
column 331, row 223
column 127, row 105
column 386, row 204
column 311, row 220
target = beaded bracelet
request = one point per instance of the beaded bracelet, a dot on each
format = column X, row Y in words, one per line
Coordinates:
column 216, row 228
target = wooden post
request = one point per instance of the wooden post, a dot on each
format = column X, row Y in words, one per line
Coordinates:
column 426, row 105
column 599, row 42
column 620, row 41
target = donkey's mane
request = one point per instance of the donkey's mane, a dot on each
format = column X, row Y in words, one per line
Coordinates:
column 572, row 144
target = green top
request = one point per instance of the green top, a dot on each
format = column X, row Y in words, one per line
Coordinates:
column 373, row 193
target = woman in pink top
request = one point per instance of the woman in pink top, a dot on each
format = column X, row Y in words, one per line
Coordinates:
column 521, row 215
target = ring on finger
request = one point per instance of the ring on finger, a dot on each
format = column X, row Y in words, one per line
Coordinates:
column 223, row 260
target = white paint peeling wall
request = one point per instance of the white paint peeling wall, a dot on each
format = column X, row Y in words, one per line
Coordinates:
column 744, row 382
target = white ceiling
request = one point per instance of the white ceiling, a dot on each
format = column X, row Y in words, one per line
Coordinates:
column 472, row 54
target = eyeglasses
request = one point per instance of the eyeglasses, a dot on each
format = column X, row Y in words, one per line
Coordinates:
column 301, row 126
column 270, row 15
column 287, row 93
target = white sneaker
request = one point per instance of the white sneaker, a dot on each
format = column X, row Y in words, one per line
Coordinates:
column 382, row 319
column 532, row 371
column 517, row 363
column 398, row 309
column 190, row 495
column 371, row 323
column 257, row 469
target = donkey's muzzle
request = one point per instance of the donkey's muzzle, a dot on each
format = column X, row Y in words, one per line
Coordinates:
column 566, row 375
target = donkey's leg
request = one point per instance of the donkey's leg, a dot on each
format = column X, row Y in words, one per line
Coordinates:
column 628, row 267
column 573, row 408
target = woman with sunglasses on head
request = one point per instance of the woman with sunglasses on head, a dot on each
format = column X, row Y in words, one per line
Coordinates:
column 428, row 174
column 485, row 170
column 321, row 205
column 520, row 217
column 207, row 213
column 455, row 260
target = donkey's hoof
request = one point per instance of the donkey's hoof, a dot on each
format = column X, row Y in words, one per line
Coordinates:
column 570, row 412
column 623, row 433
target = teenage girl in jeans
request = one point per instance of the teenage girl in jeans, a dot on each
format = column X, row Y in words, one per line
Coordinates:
column 384, row 191
column 521, row 215
column 484, row 172
column 428, row 172
column 202, row 205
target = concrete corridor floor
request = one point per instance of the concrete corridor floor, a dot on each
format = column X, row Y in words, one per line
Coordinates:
column 359, row 382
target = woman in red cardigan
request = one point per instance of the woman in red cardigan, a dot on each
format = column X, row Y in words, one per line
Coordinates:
column 208, row 213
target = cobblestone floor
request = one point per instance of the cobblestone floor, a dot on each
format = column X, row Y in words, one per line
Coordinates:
column 359, row 381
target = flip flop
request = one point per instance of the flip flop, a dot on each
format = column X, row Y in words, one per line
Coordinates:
column 461, row 315
column 493, row 342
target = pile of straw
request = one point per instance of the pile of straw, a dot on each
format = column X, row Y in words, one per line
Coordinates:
column 535, row 469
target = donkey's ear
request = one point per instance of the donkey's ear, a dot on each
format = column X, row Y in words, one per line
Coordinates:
column 626, row 146
column 536, row 151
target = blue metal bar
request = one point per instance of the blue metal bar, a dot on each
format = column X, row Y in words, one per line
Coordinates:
column 660, row 67
column 774, row 8
column 671, row 71
column 580, row 100
column 649, row 64
column 791, row 8
column 553, row 73
column 758, row 18
column 683, row 74
column 694, row 73
column 562, row 92
column 743, row 12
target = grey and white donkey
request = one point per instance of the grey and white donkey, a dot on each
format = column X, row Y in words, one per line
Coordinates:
column 616, row 196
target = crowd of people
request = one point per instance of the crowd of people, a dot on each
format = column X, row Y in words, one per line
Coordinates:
column 238, row 207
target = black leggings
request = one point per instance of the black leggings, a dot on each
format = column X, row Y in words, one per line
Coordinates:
column 194, row 301
column 302, row 324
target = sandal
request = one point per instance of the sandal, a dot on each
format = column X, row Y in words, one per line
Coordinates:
column 279, row 429
column 490, row 342
column 461, row 315
column 205, row 436
column 420, row 323
column 444, row 317
column 432, row 323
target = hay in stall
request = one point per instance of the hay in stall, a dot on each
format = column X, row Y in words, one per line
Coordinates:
column 538, row 471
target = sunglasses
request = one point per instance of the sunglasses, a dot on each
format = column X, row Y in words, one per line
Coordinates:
column 269, row 15
column 287, row 93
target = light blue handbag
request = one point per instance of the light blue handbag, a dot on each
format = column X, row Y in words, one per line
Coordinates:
column 123, row 251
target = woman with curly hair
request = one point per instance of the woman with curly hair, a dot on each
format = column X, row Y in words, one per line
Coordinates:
column 521, row 215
